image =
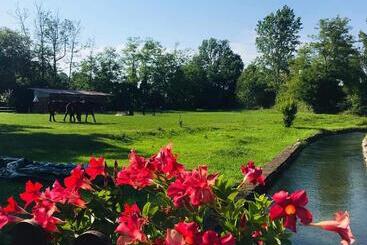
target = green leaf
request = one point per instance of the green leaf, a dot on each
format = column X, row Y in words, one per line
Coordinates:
column 233, row 196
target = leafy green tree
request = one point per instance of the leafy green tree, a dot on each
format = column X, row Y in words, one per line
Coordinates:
column 327, row 74
column 335, row 46
column 108, row 70
column 312, row 84
column 218, row 68
column 252, row 88
column 277, row 39
column 15, row 60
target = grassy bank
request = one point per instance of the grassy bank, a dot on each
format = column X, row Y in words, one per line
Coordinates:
column 223, row 140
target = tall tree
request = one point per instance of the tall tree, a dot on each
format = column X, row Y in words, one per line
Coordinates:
column 327, row 74
column 277, row 39
column 218, row 69
column 335, row 45
column 73, row 28
column 57, row 34
column 15, row 59
column 130, row 59
column 41, row 49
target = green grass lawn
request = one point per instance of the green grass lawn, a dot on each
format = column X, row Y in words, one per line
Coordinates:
column 223, row 140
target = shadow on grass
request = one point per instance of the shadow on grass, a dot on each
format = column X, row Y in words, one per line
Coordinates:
column 310, row 127
column 8, row 128
column 82, row 123
column 15, row 141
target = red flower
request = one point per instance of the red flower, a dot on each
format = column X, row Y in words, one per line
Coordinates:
column 173, row 237
column 190, row 232
column 167, row 163
column 340, row 225
column 178, row 192
column 13, row 207
column 253, row 174
column 194, row 186
column 138, row 174
column 212, row 238
column 5, row 218
column 256, row 234
column 137, row 178
column 32, row 192
column 43, row 215
column 131, row 225
column 59, row 194
column 290, row 207
column 77, row 180
column 96, row 167
column 137, row 162
column 75, row 199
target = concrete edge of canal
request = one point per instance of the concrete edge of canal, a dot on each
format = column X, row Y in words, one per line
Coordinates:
column 364, row 149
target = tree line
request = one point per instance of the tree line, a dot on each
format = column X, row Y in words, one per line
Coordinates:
column 325, row 75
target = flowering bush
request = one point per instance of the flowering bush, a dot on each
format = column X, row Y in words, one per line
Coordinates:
column 157, row 201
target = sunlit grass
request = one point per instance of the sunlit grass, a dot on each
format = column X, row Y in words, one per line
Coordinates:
column 223, row 140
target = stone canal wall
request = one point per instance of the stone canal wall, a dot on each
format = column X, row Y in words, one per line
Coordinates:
column 364, row 149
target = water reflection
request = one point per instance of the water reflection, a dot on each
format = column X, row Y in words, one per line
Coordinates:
column 333, row 173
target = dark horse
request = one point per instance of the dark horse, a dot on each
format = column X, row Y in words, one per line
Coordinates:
column 53, row 107
column 70, row 109
column 87, row 108
column 76, row 109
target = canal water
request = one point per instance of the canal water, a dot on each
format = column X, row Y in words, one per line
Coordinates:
column 334, row 175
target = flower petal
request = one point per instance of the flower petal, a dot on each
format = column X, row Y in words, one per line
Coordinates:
column 280, row 197
column 299, row 198
column 304, row 215
column 276, row 212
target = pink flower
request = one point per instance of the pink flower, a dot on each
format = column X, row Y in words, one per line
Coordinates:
column 6, row 218
column 194, row 186
column 57, row 193
column 253, row 174
column 32, row 192
column 340, row 225
column 43, row 215
column 96, row 167
column 131, row 225
column 290, row 207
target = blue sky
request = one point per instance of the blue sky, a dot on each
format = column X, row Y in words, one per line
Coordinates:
column 187, row 22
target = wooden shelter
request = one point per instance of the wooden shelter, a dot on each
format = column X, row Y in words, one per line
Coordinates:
column 41, row 97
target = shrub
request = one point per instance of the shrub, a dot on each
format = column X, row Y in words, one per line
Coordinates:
column 156, row 201
column 289, row 111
